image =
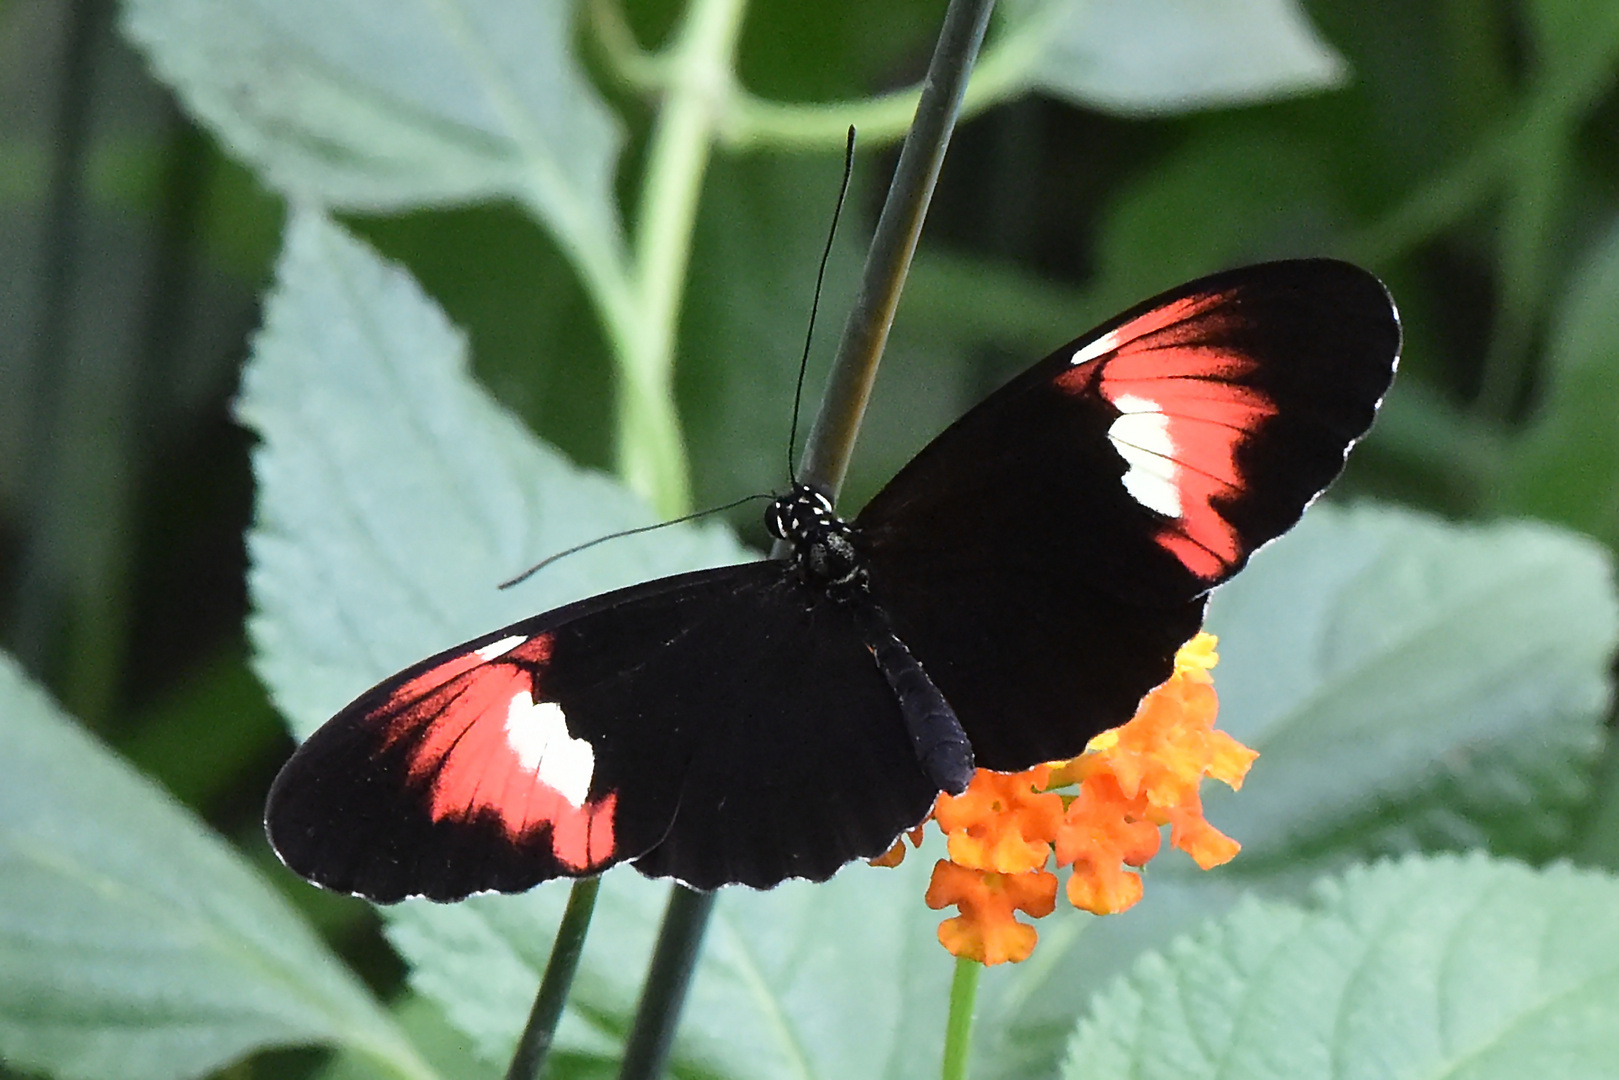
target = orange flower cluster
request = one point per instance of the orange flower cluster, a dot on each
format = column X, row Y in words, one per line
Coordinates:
column 1131, row 781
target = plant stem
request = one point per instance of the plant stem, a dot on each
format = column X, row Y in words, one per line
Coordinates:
column 667, row 979
column 1004, row 71
column 958, row 1032
column 624, row 55
column 831, row 440
column 535, row 1042
column 826, row 454
column 651, row 452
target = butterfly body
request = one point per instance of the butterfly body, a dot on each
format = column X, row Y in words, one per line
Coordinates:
column 822, row 547
column 1011, row 593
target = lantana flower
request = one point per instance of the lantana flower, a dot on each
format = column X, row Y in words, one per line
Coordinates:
column 1099, row 814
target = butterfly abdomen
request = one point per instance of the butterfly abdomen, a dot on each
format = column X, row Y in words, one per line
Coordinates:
column 942, row 747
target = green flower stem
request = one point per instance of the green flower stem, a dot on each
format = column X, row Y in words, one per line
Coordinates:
column 674, row 959
column 535, row 1043
column 624, row 55
column 748, row 122
column 958, row 1032
column 826, row 455
column 651, row 452
column 1002, row 74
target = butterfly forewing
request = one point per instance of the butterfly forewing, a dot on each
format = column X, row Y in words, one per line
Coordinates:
column 1045, row 555
column 1238, row 398
column 671, row 723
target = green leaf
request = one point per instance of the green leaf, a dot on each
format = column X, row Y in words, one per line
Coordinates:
column 1311, row 635
column 448, row 1050
column 387, row 106
column 1567, row 464
column 1026, row 1011
column 1155, row 57
column 1412, row 684
column 839, row 980
column 1408, row 684
column 133, row 943
column 1439, row 967
column 539, row 346
column 394, row 495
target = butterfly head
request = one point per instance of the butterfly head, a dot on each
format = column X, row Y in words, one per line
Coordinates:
column 823, row 544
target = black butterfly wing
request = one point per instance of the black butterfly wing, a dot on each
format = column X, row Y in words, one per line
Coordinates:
column 1045, row 556
column 726, row 725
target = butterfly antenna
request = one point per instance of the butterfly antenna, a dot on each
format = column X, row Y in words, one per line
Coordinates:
column 548, row 560
column 815, row 304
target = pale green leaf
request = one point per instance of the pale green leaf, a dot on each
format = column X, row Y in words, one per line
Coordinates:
column 134, row 945
column 394, row 495
column 1412, row 684
column 840, row 980
column 450, row 1051
column 1026, row 1011
column 386, row 106
column 1425, row 968
column 1152, row 57
column 1409, row 684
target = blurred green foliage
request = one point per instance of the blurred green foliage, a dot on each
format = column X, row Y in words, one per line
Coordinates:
column 1469, row 156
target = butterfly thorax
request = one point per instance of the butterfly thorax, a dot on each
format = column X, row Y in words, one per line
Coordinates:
column 824, row 551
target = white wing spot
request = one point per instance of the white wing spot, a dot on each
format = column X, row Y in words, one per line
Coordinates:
column 500, row 648
column 538, row 734
column 1104, row 344
column 1141, row 436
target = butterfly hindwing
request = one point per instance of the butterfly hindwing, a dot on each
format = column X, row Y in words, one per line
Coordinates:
column 599, row 733
column 807, row 764
column 1046, row 554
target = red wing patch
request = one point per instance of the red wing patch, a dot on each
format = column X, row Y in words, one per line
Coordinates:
column 485, row 742
column 1186, row 406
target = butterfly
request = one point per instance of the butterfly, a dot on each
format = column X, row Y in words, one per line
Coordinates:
column 1013, row 591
